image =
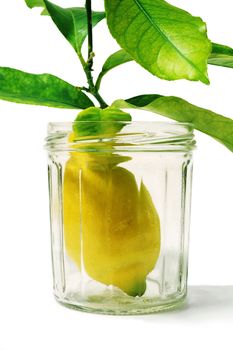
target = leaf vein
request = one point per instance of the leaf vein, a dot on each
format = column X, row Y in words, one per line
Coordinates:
column 141, row 7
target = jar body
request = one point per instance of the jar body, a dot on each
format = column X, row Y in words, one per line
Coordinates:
column 120, row 227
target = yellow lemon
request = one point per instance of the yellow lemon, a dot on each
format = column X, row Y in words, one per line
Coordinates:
column 111, row 226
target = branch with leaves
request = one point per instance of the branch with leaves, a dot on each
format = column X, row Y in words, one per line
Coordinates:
column 170, row 43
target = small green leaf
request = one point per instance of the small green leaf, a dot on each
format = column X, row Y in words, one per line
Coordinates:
column 116, row 59
column 221, row 56
column 100, row 121
column 210, row 123
column 72, row 22
column 41, row 89
column 167, row 41
column 37, row 3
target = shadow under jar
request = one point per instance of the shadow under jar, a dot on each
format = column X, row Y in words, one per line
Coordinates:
column 120, row 209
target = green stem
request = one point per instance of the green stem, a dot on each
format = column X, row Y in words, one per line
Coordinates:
column 90, row 34
column 89, row 64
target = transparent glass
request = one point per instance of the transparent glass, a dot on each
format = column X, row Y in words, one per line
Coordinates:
column 120, row 209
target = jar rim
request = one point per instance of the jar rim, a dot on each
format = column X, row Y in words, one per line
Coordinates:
column 133, row 122
column 150, row 135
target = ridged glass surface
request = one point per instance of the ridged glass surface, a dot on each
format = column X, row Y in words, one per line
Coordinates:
column 81, row 180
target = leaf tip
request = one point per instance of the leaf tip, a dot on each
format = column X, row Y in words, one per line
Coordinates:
column 205, row 79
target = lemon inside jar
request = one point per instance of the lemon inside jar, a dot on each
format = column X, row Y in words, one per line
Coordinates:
column 111, row 225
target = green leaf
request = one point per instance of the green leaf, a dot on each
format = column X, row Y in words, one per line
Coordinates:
column 41, row 89
column 111, row 121
column 72, row 22
column 167, row 41
column 37, row 3
column 221, row 56
column 210, row 123
column 116, row 59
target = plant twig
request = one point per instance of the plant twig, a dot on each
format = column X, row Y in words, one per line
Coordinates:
column 90, row 34
column 89, row 64
column 83, row 88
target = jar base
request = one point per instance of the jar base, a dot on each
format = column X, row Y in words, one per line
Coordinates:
column 143, row 308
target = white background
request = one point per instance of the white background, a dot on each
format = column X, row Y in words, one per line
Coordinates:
column 30, row 318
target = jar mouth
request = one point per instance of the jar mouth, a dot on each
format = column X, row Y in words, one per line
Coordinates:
column 133, row 136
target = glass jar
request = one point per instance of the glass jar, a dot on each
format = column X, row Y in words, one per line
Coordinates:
column 120, row 210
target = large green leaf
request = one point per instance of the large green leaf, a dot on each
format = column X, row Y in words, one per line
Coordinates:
column 221, row 56
column 72, row 22
column 164, row 39
column 42, row 89
column 212, row 124
column 116, row 59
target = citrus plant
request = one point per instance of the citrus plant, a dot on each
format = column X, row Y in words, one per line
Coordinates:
column 171, row 44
